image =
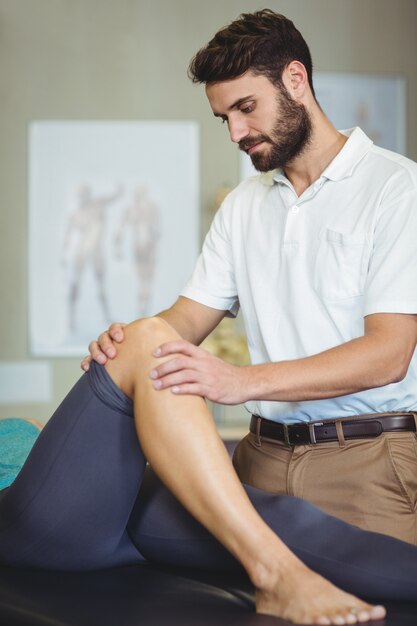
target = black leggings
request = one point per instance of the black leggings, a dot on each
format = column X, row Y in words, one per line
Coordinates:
column 78, row 504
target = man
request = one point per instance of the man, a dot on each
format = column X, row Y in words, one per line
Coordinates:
column 319, row 253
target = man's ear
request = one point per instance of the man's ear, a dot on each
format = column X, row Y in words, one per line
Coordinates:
column 295, row 79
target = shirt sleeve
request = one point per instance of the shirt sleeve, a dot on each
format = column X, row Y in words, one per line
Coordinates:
column 213, row 280
column 391, row 285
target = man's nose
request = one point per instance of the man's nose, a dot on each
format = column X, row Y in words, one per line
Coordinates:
column 238, row 129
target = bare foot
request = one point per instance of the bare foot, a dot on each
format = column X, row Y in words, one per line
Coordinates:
column 304, row 597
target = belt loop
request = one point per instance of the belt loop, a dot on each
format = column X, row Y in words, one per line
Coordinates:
column 258, row 441
column 286, row 434
column 340, row 434
column 414, row 414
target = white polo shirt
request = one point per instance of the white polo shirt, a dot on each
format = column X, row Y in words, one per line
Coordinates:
column 306, row 270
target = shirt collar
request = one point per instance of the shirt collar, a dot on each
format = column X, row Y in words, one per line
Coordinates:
column 344, row 163
column 342, row 166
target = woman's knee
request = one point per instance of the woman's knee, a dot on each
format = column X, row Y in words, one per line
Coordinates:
column 146, row 333
column 135, row 352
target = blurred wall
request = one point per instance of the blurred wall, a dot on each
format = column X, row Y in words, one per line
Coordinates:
column 127, row 59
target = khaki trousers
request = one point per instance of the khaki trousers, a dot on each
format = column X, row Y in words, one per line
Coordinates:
column 370, row 483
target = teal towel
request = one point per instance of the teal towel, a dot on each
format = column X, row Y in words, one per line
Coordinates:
column 17, row 437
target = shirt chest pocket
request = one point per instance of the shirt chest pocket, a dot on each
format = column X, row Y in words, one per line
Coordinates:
column 340, row 266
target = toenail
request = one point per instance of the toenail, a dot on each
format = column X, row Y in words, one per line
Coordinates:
column 379, row 610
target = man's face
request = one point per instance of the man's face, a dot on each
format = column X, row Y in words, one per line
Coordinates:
column 263, row 119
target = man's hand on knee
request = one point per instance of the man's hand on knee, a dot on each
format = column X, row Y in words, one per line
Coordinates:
column 193, row 370
column 104, row 347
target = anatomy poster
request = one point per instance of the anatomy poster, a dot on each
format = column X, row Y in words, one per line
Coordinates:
column 113, row 225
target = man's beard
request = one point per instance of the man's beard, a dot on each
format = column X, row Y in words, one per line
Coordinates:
column 289, row 137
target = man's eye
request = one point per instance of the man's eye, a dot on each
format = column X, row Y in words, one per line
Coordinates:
column 247, row 109
column 224, row 120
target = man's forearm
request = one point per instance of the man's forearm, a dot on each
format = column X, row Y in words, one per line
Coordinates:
column 360, row 364
column 380, row 357
column 192, row 321
column 179, row 323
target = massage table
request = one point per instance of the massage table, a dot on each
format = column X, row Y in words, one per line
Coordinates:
column 144, row 594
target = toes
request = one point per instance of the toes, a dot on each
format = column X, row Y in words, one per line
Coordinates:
column 370, row 613
column 356, row 615
column 341, row 620
column 338, row 620
column 378, row 612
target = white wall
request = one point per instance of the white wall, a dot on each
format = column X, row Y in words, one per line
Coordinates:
column 127, row 59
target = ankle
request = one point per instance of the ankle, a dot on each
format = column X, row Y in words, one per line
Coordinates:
column 265, row 577
column 271, row 567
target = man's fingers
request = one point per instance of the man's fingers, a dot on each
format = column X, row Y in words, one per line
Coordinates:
column 177, row 378
column 182, row 346
column 190, row 389
column 173, row 365
column 96, row 353
column 116, row 332
column 106, row 345
column 85, row 363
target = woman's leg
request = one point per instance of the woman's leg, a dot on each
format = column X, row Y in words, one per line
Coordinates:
column 361, row 562
column 179, row 439
column 69, row 505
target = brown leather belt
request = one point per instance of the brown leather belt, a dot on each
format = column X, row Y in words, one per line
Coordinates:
column 360, row 427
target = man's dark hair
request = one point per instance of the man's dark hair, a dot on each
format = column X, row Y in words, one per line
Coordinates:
column 264, row 42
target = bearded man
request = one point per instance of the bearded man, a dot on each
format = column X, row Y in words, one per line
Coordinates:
column 319, row 254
